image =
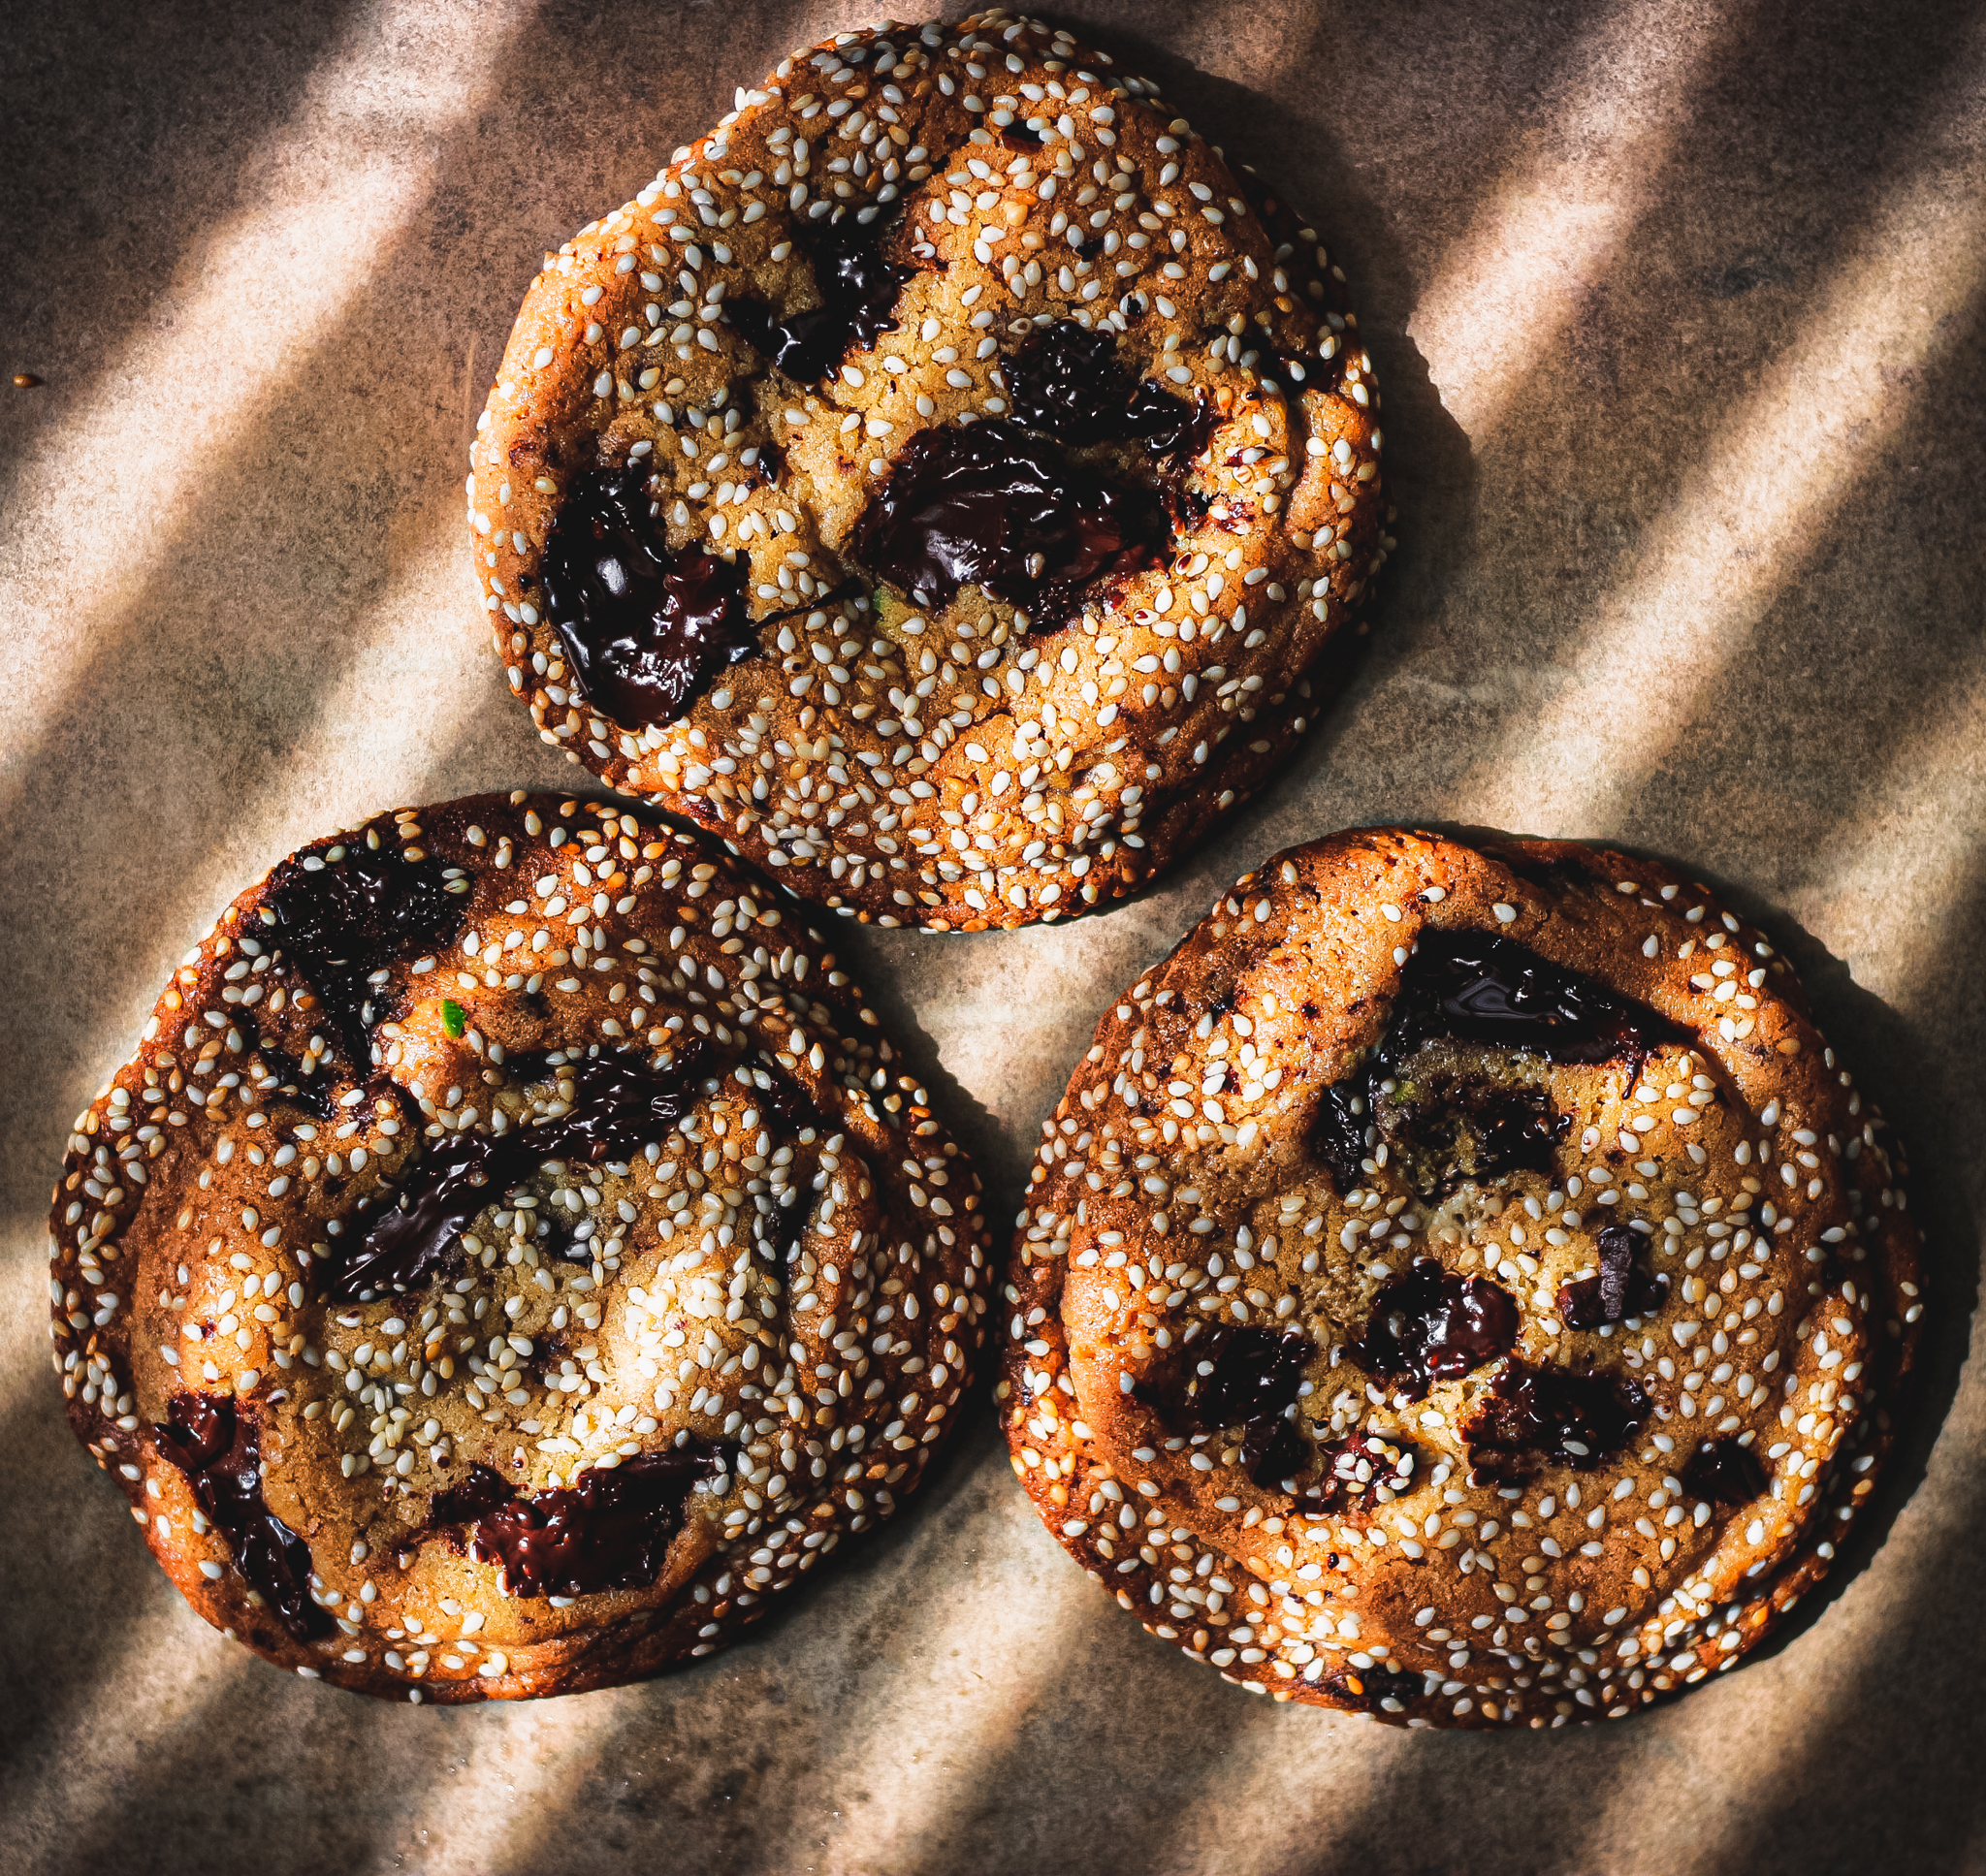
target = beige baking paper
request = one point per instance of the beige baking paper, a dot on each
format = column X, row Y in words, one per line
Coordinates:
column 1676, row 312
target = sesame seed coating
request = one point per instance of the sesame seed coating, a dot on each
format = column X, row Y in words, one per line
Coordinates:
column 958, row 765
column 705, row 1312
column 1366, row 1395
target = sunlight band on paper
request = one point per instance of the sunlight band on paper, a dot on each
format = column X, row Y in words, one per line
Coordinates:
column 1503, row 293
column 1742, row 522
column 340, row 183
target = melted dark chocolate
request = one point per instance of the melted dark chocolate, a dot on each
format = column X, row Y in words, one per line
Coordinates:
column 1429, row 1325
column 1618, row 1290
column 1471, row 1131
column 1344, row 1132
column 1724, row 1473
column 215, row 1447
column 416, row 1240
column 480, row 1489
column 858, row 293
column 1250, row 1380
column 647, row 631
column 614, row 1104
column 1530, row 1416
column 311, row 1093
column 1354, row 1467
column 617, row 1108
column 990, row 504
column 1473, row 987
column 609, row 1531
column 355, row 916
column 1066, row 382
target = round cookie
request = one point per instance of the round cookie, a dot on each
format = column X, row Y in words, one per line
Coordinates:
column 1459, row 1286
column 513, row 1258
column 940, row 482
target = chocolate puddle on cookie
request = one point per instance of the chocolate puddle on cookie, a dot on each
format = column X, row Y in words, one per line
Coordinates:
column 646, row 630
column 993, row 505
column 341, row 921
column 614, row 1104
column 1724, row 1473
column 1251, row 1378
column 1530, row 1417
column 858, row 292
column 1067, row 382
column 1473, row 987
column 216, row 1446
column 611, row 1530
column 1428, row 1324
column 617, row 1106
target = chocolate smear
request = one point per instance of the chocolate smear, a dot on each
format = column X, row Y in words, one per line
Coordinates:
column 646, row 630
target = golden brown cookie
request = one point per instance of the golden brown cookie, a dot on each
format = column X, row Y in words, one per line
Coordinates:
column 512, row 1261
column 1460, row 1286
column 940, row 482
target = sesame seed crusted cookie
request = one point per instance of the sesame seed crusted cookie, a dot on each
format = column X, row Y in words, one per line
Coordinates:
column 940, row 482
column 1459, row 1286
column 513, row 1258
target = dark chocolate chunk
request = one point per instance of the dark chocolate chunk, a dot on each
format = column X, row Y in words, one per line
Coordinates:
column 416, row 1240
column 481, row 1489
column 616, row 1102
column 990, row 504
column 1472, row 987
column 618, row 1106
column 1169, row 427
column 215, row 1444
column 1530, row 1415
column 340, row 923
column 199, row 1429
column 1066, row 382
column 1471, row 1130
column 858, row 293
column 1240, row 1376
column 1724, row 1473
column 1429, row 1325
column 1354, row 1467
column 609, row 1531
column 289, row 1078
column 647, row 631
column 1618, row 1290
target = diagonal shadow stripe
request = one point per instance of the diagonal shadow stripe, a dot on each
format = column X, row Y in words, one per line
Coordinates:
column 1768, row 496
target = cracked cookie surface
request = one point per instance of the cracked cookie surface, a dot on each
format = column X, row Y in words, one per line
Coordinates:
column 514, row 1258
column 943, row 482
column 1459, row 1286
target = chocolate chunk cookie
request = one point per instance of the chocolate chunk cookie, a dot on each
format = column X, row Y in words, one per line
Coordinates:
column 512, row 1261
column 1459, row 1286
column 940, row 482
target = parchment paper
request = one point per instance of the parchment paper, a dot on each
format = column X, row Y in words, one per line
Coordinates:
column 1677, row 309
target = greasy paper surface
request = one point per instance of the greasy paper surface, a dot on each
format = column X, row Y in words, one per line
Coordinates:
column 1676, row 312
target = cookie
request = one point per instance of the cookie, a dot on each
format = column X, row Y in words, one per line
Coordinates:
column 1459, row 1286
column 942, row 482
column 514, row 1258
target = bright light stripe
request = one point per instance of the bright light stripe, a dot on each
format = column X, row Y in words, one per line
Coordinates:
column 1720, row 554
column 336, row 186
column 1507, row 289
